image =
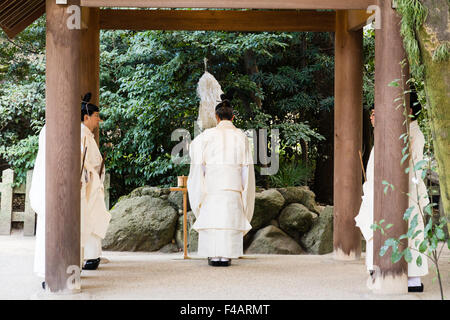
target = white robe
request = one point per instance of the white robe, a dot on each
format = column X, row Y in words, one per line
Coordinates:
column 221, row 189
column 365, row 217
column 94, row 215
column 37, row 202
column 88, row 231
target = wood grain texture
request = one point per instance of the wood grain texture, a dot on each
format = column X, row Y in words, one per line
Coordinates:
column 347, row 137
column 389, row 52
column 217, row 20
column 90, row 57
column 247, row 4
column 63, row 155
column 357, row 19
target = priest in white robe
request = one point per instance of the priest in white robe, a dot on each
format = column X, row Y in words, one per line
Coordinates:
column 365, row 218
column 221, row 188
column 37, row 202
column 95, row 217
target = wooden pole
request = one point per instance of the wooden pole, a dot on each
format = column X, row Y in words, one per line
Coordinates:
column 90, row 56
column 185, row 222
column 63, row 156
column 347, row 138
column 389, row 52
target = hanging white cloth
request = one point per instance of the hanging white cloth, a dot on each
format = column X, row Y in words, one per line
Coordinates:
column 209, row 91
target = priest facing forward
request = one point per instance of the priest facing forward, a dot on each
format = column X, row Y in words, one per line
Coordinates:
column 221, row 187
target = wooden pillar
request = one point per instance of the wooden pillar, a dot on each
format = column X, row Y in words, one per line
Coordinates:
column 347, row 138
column 389, row 52
column 90, row 56
column 63, row 156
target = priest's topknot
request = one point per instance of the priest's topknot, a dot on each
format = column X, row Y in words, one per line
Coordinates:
column 87, row 108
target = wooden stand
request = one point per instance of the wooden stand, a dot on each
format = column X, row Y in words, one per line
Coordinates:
column 184, row 190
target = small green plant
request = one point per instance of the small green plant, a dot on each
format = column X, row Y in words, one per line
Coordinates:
column 291, row 173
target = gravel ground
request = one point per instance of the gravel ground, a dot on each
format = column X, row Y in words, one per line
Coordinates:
column 135, row 275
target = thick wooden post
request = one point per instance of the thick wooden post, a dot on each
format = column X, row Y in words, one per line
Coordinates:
column 389, row 52
column 63, row 156
column 347, row 138
column 90, row 56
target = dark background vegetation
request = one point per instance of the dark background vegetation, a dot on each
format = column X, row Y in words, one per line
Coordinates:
column 148, row 89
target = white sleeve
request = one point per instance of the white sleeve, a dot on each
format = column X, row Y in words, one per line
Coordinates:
column 244, row 175
column 248, row 179
column 196, row 178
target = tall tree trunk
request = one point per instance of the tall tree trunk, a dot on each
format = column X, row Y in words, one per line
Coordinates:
column 433, row 35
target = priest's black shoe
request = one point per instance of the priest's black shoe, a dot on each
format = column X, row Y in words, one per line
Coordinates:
column 416, row 288
column 213, row 263
column 91, row 264
column 225, row 263
column 43, row 285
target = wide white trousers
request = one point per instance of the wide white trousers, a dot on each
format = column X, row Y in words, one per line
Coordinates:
column 220, row 243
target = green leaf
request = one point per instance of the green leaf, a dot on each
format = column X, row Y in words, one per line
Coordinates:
column 408, row 213
column 419, row 165
column 383, row 250
column 423, row 246
column 390, row 225
column 408, row 255
column 394, row 83
column 396, row 256
column 419, row 261
column 440, row 234
column 404, row 158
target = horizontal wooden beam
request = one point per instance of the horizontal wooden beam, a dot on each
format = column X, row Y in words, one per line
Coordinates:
column 234, row 4
column 17, row 26
column 357, row 19
column 217, row 20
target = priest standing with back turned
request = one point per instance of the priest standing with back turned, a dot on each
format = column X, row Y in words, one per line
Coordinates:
column 221, row 188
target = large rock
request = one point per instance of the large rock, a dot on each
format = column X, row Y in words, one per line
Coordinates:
column 176, row 200
column 192, row 234
column 296, row 220
column 319, row 240
column 149, row 191
column 267, row 207
column 300, row 195
column 271, row 240
column 141, row 222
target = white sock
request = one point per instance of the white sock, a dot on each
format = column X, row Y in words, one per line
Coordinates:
column 215, row 259
column 224, row 259
column 414, row 282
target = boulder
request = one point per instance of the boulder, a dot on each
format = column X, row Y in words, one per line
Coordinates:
column 149, row 191
column 267, row 207
column 271, row 240
column 169, row 248
column 192, row 234
column 296, row 220
column 176, row 200
column 141, row 222
column 319, row 240
column 300, row 195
